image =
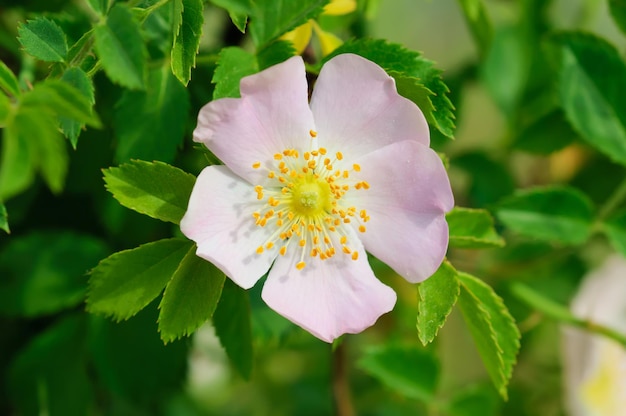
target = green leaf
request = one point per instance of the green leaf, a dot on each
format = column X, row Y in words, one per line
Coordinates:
column 4, row 219
column 190, row 298
column 43, row 39
column 472, row 228
column 61, row 99
column 615, row 229
column 591, row 78
column 409, row 371
column 233, row 64
column 151, row 188
column 233, row 327
column 414, row 90
column 5, row 109
column 8, row 81
column 437, row 296
column 476, row 400
column 121, row 49
column 492, row 327
column 238, row 11
column 50, row 375
column 395, row 57
column 78, row 79
column 150, row 125
column 545, row 135
column 479, row 24
column 187, row 40
column 275, row 53
column 269, row 18
column 618, row 11
column 557, row 213
column 490, row 180
column 127, row 281
column 100, row 6
column 44, row 272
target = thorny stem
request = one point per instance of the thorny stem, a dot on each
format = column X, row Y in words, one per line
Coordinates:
column 341, row 384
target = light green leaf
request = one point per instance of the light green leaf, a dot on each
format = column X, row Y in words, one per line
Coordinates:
column 44, row 272
column 233, row 64
column 557, row 213
column 50, row 375
column 127, row 281
column 79, row 79
column 437, row 295
column 492, row 327
column 472, row 228
column 43, row 39
column 476, row 400
column 238, row 11
column 4, row 219
column 190, row 298
column 187, row 40
column 412, row 88
column 615, row 229
column 269, row 18
column 618, row 11
column 5, row 109
column 479, row 24
column 409, row 371
column 17, row 162
column 151, row 188
column 233, row 327
column 159, row 131
column 396, row 58
column 275, row 53
column 8, row 81
column 100, row 6
column 121, row 49
column 592, row 76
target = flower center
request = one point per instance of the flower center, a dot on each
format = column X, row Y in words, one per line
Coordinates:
column 304, row 204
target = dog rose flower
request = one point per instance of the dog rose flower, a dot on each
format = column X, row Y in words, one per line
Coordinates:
column 307, row 188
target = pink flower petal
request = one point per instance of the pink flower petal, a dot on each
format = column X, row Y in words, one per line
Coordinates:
column 408, row 197
column 219, row 219
column 328, row 298
column 357, row 108
column 272, row 115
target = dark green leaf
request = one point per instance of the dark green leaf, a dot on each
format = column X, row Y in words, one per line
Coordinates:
column 409, row 371
column 4, row 219
column 476, row 400
column 395, row 57
column 275, row 53
column 121, row 49
column 187, row 40
column 547, row 134
column 79, row 79
column 127, row 281
column 155, row 189
column 269, row 18
column 437, row 296
column 8, row 81
column 472, row 228
column 157, row 133
column 43, row 39
column 190, row 298
column 44, row 273
column 559, row 213
column 233, row 327
column 592, row 76
column 233, row 64
column 492, row 327
column 490, row 179
column 479, row 24
column 615, row 229
column 618, row 11
column 49, row 376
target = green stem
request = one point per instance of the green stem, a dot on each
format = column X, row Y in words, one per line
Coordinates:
column 613, row 202
column 341, row 384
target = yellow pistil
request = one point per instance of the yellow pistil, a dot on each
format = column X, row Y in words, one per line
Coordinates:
column 304, row 201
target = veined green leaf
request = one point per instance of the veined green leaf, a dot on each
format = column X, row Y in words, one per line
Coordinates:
column 412, row 88
column 472, row 228
column 79, row 79
column 164, row 108
column 8, row 81
column 121, row 49
column 492, row 327
column 233, row 64
column 126, row 282
column 269, row 18
column 43, row 39
column 409, row 371
column 233, row 327
column 190, row 298
column 151, row 188
column 437, row 296
column 558, row 213
column 4, row 219
column 187, row 40
column 592, row 76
